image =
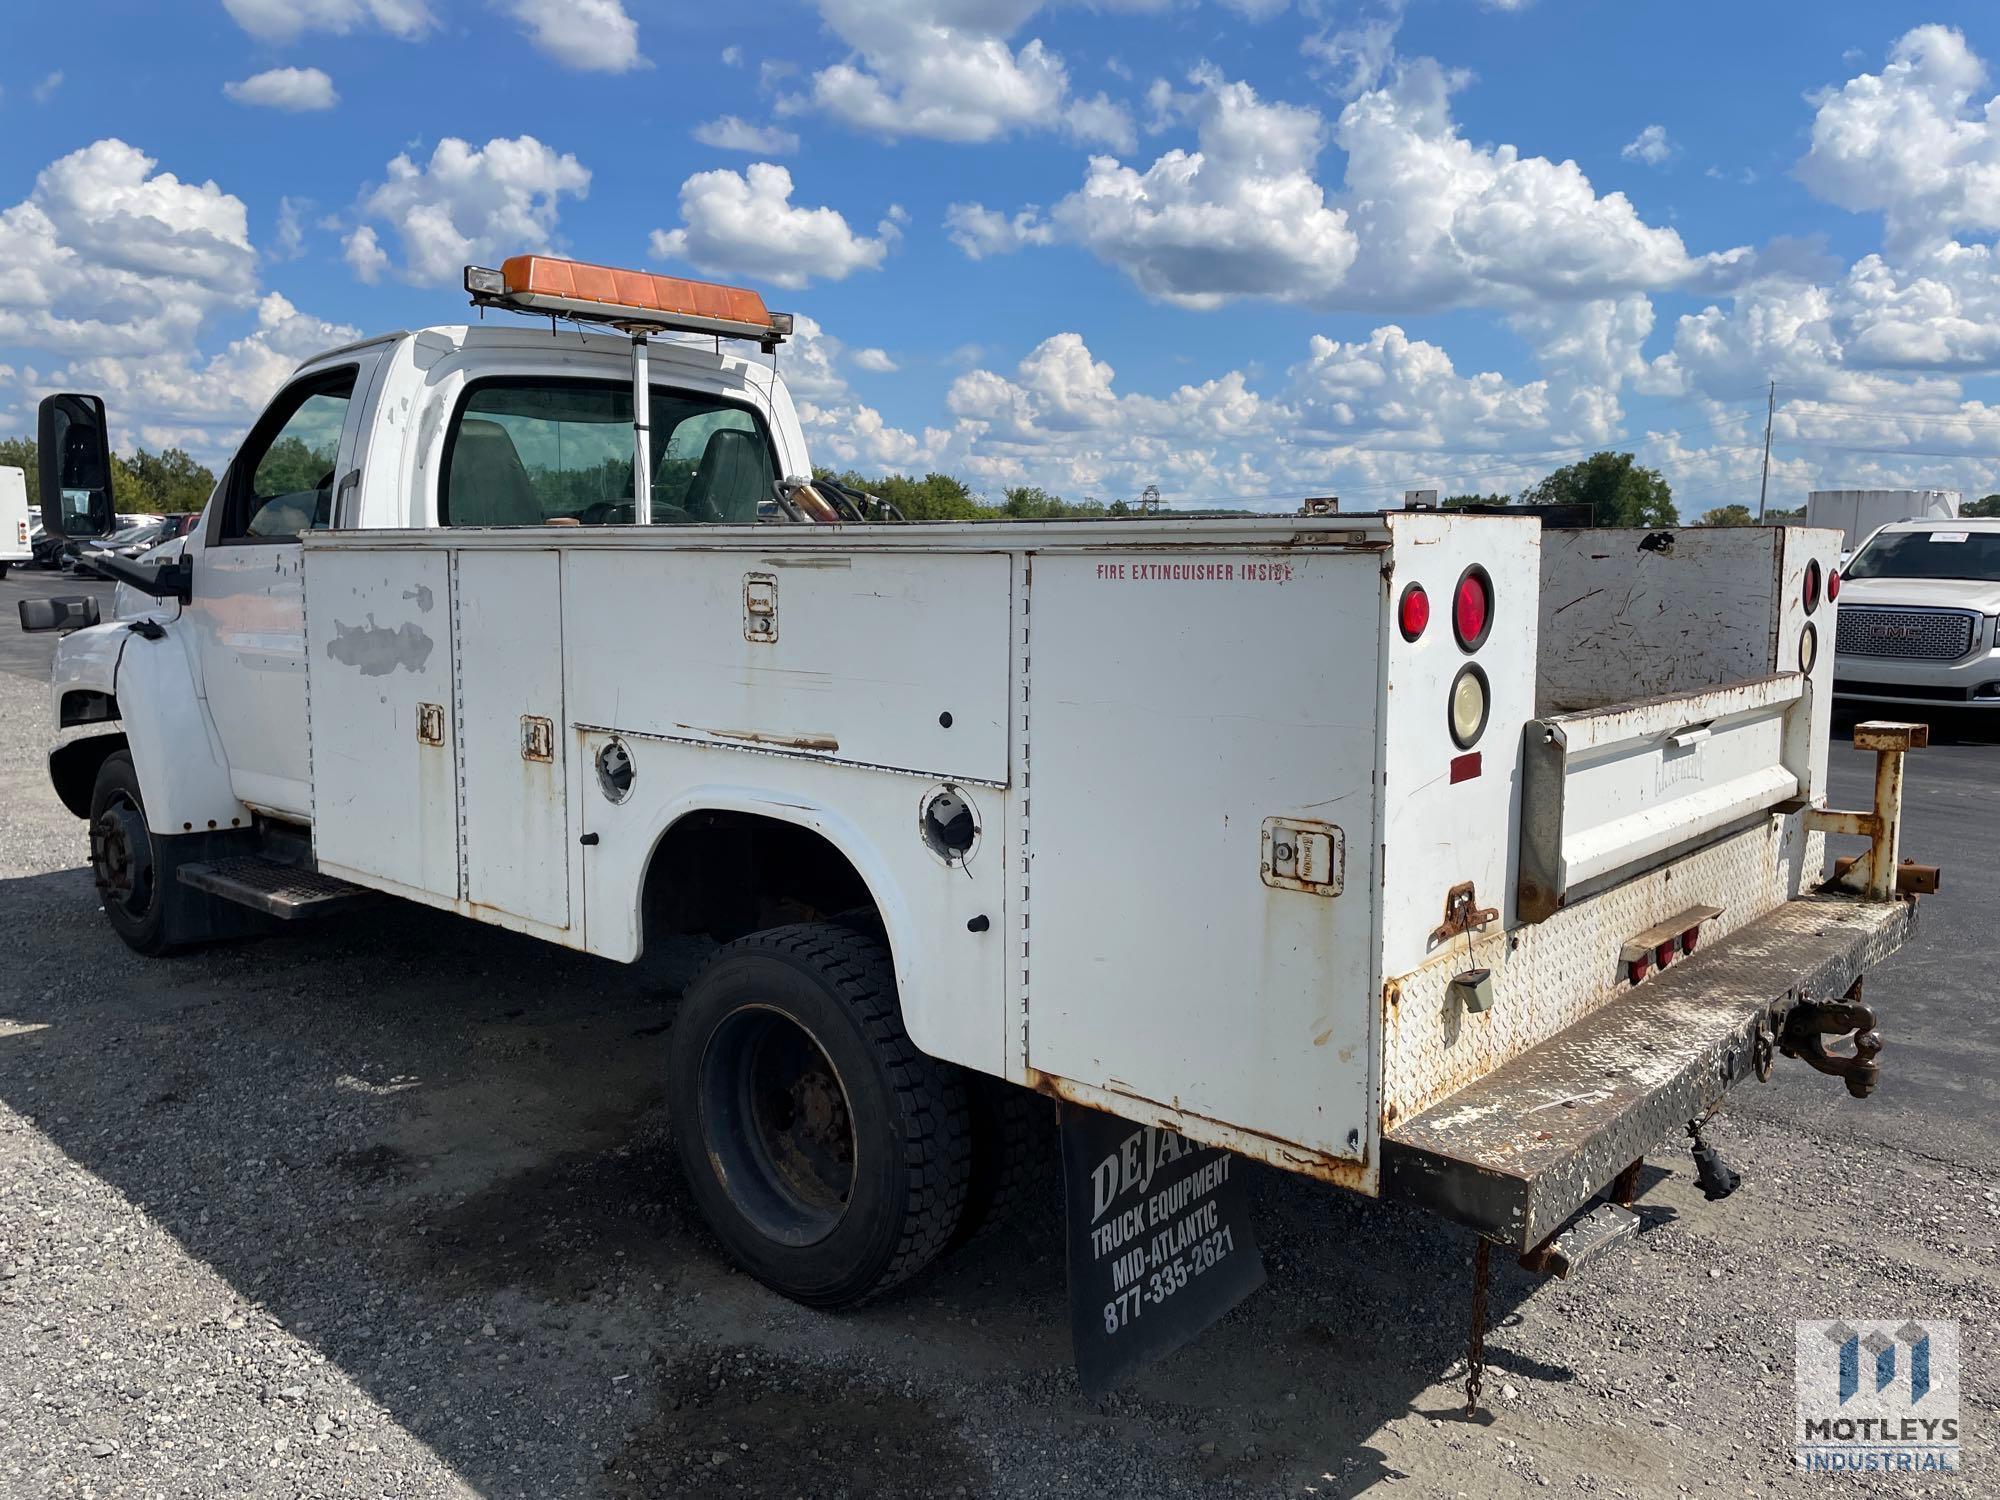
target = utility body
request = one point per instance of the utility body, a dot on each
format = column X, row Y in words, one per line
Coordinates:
column 1434, row 856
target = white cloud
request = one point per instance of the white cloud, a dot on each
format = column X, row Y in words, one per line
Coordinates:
column 732, row 56
column 731, row 133
column 980, row 231
column 1651, row 146
column 285, row 88
column 1257, row 11
column 1424, row 218
column 363, row 252
column 466, row 203
column 588, row 35
column 745, row 224
column 948, row 70
column 875, row 362
column 105, row 254
column 1240, row 216
column 1913, row 142
column 46, row 89
column 287, row 20
column 291, row 241
column 117, row 270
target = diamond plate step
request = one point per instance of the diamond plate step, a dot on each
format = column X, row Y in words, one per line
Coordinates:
column 280, row 890
column 1516, row 1153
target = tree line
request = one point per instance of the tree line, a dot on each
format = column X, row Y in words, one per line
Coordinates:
column 152, row 483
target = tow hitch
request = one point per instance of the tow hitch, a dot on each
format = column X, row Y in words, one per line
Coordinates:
column 1811, row 1022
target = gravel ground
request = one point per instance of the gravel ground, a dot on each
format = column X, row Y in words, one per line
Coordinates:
column 385, row 1206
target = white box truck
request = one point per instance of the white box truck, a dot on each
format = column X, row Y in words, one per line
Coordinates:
column 16, row 520
column 1435, row 857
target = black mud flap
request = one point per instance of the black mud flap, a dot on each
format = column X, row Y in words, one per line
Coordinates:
column 1159, row 1241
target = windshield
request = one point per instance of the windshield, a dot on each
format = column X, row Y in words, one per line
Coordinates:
column 1943, row 553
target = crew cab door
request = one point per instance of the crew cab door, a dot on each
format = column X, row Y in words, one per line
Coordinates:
column 248, row 609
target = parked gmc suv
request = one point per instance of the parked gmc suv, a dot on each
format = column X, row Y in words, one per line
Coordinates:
column 1919, row 607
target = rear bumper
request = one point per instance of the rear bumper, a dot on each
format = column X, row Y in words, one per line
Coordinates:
column 1515, row 1154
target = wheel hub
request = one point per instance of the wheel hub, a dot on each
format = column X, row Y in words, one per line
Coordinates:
column 121, row 858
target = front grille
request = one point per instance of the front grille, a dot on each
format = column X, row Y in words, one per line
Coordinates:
column 1912, row 634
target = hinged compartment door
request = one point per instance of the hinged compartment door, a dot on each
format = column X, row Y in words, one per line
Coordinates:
column 379, row 693
column 511, row 740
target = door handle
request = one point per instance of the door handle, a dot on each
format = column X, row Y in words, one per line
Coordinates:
column 350, row 481
column 1694, row 734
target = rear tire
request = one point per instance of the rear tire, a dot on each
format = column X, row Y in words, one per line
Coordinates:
column 133, row 868
column 1015, row 1159
column 827, row 1153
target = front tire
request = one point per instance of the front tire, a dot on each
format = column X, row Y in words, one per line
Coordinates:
column 134, row 869
column 827, row 1153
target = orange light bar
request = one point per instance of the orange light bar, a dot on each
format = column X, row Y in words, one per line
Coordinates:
column 630, row 299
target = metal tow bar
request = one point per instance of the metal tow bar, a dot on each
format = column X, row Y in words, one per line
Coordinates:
column 1878, row 873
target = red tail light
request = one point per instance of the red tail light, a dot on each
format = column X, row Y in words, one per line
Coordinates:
column 1664, row 954
column 1689, row 939
column 1812, row 584
column 1413, row 612
column 1832, row 584
column 1472, row 608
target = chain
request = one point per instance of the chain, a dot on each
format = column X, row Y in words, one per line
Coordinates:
column 1475, row 1349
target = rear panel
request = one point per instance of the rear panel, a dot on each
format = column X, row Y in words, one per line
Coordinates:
column 1178, row 945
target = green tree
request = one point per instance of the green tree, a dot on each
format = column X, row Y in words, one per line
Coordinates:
column 1459, row 502
column 1985, row 505
column 146, row 482
column 1729, row 515
column 1617, row 488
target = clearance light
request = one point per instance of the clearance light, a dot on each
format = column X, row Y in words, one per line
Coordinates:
column 1468, row 706
column 1413, row 612
column 1832, row 584
column 637, row 301
column 1472, row 608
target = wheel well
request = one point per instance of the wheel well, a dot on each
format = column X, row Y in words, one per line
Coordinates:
column 73, row 769
column 729, row 873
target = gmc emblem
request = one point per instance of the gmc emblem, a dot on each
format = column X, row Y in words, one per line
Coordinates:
column 1892, row 632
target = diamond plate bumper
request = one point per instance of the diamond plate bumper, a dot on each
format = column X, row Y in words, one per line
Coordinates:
column 1516, row 1153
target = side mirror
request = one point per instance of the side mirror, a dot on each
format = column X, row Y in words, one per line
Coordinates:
column 73, row 446
column 68, row 612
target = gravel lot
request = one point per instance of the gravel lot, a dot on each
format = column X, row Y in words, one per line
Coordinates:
column 385, row 1206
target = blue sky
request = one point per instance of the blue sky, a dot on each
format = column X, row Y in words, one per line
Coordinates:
column 1244, row 249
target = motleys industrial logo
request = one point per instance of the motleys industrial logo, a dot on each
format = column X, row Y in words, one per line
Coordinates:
column 1877, row 1396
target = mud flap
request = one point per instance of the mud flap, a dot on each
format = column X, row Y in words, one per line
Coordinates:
column 1159, row 1242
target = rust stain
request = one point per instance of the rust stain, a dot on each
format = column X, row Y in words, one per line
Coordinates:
column 1321, row 1039
column 759, row 737
column 1339, row 1171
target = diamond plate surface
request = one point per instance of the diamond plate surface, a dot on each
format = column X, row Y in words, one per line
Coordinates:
column 1518, row 1152
column 1551, row 974
column 287, row 885
column 1906, row 634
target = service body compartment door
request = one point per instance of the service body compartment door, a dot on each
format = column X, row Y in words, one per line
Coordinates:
column 512, row 739
column 1201, row 732
column 379, row 710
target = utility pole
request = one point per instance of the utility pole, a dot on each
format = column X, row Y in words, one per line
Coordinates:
column 1763, row 488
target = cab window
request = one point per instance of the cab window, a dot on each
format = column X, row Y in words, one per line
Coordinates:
column 539, row 452
column 282, row 482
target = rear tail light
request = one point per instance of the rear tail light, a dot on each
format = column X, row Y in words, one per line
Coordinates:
column 1413, row 611
column 1468, row 706
column 1664, row 954
column 1690, row 939
column 1808, row 650
column 1832, row 584
column 1472, row 608
column 1641, row 967
column 1812, row 584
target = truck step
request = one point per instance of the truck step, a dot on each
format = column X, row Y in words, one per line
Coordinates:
column 280, row 890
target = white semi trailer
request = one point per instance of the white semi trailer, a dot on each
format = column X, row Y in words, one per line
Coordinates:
column 1435, row 857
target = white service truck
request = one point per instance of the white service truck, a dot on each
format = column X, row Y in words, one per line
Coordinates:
column 1437, row 857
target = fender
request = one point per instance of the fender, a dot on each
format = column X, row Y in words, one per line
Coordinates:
column 942, row 1011
column 150, row 682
